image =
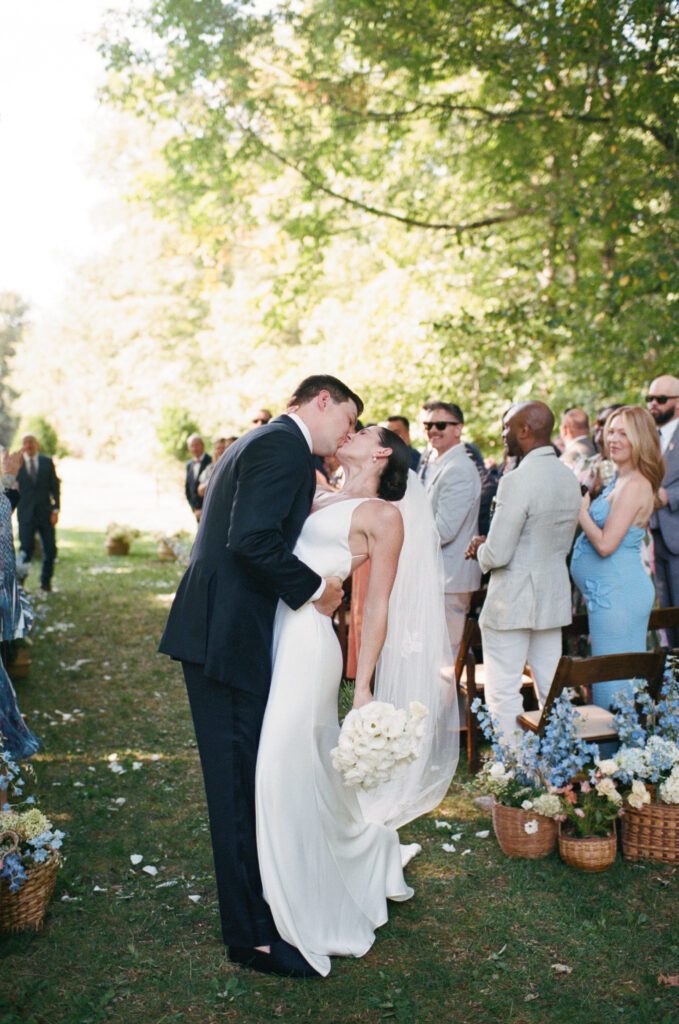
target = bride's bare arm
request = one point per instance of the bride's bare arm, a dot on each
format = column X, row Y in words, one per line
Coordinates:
column 383, row 527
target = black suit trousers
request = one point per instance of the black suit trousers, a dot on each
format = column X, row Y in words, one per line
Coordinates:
column 228, row 722
column 47, row 533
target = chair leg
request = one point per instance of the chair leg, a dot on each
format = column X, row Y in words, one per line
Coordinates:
column 472, row 737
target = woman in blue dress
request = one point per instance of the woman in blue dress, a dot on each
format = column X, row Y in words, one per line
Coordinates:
column 606, row 563
column 15, row 618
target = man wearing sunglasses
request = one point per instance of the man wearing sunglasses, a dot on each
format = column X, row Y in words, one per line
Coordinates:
column 662, row 401
column 454, row 489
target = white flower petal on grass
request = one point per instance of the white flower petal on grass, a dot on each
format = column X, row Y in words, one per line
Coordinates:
column 150, row 870
column 78, row 785
column 116, row 768
column 456, row 837
column 194, row 897
column 443, row 824
column 466, row 852
column 448, row 847
column 166, row 885
column 120, row 800
column 136, row 858
column 562, row 968
column 111, row 757
column 136, row 765
column 483, row 835
column 98, row 888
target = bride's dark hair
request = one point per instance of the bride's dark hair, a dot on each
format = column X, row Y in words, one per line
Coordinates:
column 394, row 478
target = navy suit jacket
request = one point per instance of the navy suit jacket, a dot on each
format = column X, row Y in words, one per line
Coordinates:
column 39, row 498
column 195, row 499
column 242, row 562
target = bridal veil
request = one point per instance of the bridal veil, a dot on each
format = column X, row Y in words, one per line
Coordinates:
column 417, row 664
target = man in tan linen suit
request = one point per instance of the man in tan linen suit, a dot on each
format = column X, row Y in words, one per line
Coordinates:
column 529, row 594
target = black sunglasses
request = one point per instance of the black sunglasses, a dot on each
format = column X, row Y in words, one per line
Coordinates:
column 441, row 424
column 660, row 399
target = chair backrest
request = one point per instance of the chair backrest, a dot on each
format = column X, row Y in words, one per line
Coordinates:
column 573, row 672
column 660, row 618
column 664, row 618
column 471, row 637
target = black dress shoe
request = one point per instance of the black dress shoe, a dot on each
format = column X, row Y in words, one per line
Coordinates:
column 283, row 960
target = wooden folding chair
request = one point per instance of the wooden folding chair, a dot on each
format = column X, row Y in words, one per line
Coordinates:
column 471, row 682
column 596, row 724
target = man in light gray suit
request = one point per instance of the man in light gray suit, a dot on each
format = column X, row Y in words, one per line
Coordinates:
column 453, row 485
column 529, row 594
column 663, row 405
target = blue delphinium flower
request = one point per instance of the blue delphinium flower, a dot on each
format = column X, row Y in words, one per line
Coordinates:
column 14, row 871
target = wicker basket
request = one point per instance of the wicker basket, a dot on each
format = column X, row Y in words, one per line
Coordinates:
column 118, row 547
column 20, row 667
column 165, row 552
column 588, row 853
column 509, row 822
column 26, row 908
column 651, row 833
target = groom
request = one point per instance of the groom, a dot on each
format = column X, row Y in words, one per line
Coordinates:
column 221, row 628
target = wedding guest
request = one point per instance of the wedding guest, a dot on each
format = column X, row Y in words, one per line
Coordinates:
column 15, row 618
column 219, row 447
column 606, row 563
column 529, row 594
column 663, row 405
column 260, row 418
column 575, row 436
column 401, row 427
column 199, row 461
column 597, row 471
column 38, row 508
column 453, row 486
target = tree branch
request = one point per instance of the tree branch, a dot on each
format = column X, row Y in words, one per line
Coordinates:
column 500, row 218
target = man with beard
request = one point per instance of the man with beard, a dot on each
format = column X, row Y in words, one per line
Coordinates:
column 663, row 404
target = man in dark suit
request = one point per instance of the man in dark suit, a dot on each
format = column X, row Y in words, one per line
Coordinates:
column 199, row 461
column 38, row 509
column 221, row 628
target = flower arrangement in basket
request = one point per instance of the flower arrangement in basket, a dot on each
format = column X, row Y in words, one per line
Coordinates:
column 528, row 781
column 377, row 741
column 29, row 854
column 119, row 538
column 174, row 547
column 646, row 767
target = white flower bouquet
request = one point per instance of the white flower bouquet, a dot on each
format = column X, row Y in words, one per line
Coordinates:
column 377, row 741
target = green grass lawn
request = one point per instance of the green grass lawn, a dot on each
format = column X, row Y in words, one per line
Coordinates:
column 478, row 943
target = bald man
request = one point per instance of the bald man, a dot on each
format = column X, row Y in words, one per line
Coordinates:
column 663, row 404
column 529, row 594
column 578, row 445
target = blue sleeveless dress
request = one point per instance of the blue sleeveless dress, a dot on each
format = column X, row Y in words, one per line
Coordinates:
column 619, row 594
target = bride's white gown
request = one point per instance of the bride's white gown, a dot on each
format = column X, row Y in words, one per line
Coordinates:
column 327, row 873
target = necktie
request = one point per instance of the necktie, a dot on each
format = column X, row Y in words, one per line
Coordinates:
column 33, row 471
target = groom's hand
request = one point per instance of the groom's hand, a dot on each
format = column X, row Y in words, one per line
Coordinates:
column 331, row 598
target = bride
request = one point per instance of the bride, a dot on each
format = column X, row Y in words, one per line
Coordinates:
column 330, row 857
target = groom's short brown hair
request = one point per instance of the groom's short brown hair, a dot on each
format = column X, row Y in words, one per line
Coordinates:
column 312, row 386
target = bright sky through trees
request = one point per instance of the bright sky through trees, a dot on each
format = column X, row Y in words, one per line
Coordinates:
column 49, row 75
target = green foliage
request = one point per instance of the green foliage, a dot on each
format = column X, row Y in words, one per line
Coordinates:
column 13, row 314
column 517, row 161
column 175, row 425
column 44, row 432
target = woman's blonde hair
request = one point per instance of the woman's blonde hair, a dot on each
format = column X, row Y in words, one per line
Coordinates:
column 642, row 434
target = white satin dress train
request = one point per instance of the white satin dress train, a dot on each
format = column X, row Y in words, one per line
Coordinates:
column 326, row 872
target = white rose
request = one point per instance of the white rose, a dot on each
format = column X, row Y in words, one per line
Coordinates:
column 608, row 766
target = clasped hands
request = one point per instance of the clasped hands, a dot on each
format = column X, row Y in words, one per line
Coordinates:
column 331, row 598
column 474, row 546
